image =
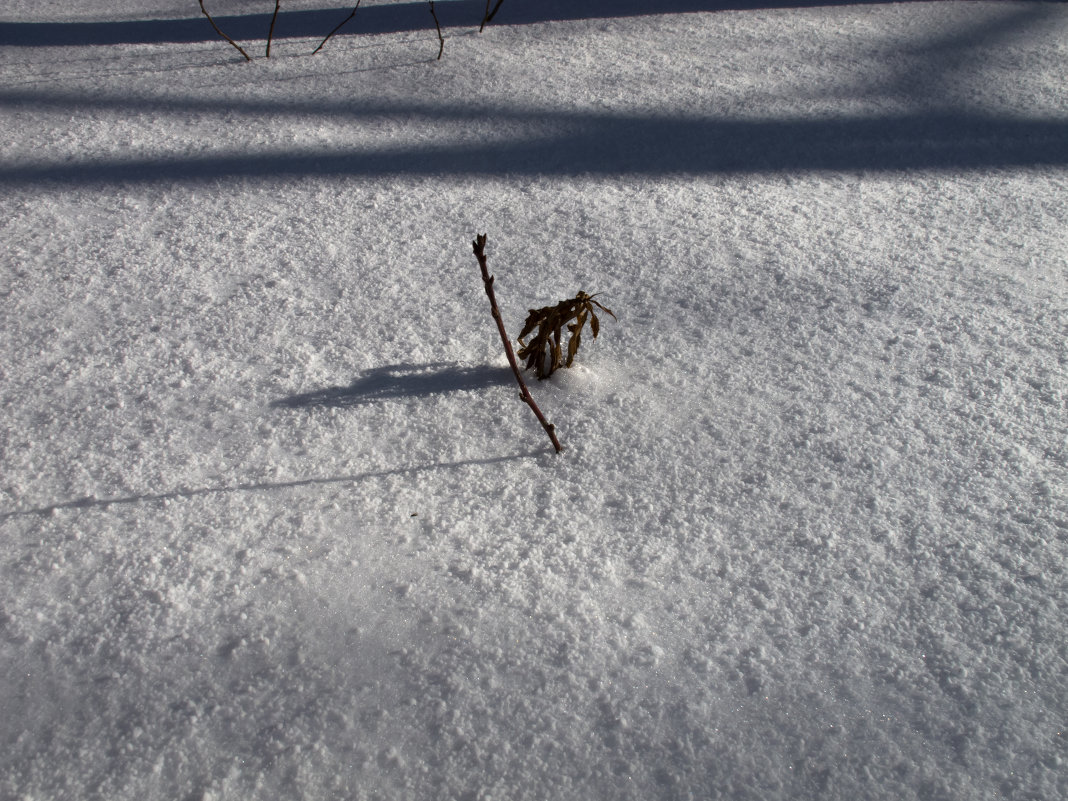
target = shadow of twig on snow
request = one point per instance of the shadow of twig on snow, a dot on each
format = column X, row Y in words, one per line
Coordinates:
column 401, row 381
column 382, row 383
column 90, row 502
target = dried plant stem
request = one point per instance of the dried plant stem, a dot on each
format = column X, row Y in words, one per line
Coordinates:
column 270, row 33
column 441, row 39
column 479, row 247
column 338, row 28
column 489, row 14
column 240, row 49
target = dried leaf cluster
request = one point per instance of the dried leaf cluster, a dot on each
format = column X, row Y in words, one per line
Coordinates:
column 544, row 353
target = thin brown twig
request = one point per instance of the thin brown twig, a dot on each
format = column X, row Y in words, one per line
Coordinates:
column 441, row 39
column 338, row 28
column 489, row 14
column 270, row 33
column 240, row 49
column 479, row 247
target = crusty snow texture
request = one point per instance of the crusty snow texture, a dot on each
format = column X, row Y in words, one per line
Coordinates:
column 275, row 525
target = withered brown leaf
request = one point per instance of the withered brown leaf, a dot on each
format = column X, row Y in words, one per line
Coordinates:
column 544, row 353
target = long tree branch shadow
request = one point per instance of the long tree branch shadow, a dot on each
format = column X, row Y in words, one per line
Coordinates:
column 946, row 134
column 392, row 18
column 603, row 144
column 396, row 381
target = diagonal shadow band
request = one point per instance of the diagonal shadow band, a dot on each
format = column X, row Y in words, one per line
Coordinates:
column 91, row 502
column 401, row 381
column 617, row 145
column 392, row 18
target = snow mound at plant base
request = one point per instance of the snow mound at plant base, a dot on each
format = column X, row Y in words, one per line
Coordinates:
column 274, row 523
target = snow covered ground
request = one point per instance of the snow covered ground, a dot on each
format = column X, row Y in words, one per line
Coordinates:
column 274, row 524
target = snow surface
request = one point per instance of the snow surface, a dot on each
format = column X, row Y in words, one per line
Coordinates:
column 274, row 524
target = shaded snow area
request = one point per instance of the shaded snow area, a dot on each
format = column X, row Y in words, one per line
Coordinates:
column 275, row 525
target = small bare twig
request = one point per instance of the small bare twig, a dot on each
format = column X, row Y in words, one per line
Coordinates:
column 441, row 39
column 338, row 28
column 479, row 247
column 489, row 14
column 270, row 33
column 240, row 49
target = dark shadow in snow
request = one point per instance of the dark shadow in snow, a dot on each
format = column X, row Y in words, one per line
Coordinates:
column 927, row 71
column 943, row 133
column 397, row 381
column 91, row 502
column 591, row 144
column 394, row 18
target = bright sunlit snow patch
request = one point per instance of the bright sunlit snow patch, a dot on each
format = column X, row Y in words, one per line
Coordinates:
column 275, row 523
